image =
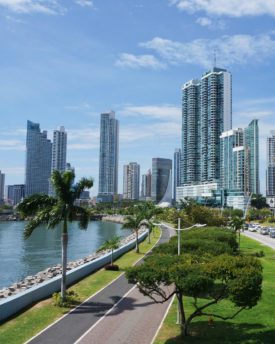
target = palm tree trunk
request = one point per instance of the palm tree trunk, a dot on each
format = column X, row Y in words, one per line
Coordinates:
column 137, row 247
column 111, row 256
column 64, row 241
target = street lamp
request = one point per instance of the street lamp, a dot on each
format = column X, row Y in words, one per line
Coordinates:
column 197, row 225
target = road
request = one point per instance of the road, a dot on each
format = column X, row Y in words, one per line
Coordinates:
column 123, row 303
column 264, row 239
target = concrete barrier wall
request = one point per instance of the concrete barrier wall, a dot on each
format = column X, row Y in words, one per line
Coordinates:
column 18, row 302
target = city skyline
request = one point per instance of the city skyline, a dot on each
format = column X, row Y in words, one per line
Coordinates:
column 56, row 73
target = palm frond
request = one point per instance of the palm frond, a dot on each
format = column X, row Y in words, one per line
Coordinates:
column 62, row 183
column 56, row 215
column 84, row 183
column 32, row 204
column 41, row 217
column 82, row 216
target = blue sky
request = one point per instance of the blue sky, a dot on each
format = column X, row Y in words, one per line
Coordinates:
column 65, row 62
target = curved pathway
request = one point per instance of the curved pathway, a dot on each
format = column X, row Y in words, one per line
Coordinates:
column 133, row 317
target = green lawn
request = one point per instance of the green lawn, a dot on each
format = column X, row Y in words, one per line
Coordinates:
column 27, row 324
column 253, row 326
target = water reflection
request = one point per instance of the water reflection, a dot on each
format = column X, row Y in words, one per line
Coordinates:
column 20, row 258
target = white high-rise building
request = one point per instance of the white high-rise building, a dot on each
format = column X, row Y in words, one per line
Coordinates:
column 131, row 176
column 2, row 186
column 38, row 160
column 108, row 157
column 206, row 113
column 270, row 172
column 59, row 152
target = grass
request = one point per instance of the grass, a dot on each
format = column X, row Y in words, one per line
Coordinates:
column 249, row 327
column 25, row 325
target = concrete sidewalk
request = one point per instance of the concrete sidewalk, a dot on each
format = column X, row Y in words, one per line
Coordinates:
column 71, row 327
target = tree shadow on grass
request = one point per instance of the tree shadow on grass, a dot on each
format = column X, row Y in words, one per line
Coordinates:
column 226, row 333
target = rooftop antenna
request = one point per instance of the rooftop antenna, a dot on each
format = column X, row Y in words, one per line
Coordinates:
column 214, row 58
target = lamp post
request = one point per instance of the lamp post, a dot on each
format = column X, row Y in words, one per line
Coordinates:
column 197, row 225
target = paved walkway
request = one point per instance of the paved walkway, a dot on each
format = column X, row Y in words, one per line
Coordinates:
column 129, row 309
column 263, row 239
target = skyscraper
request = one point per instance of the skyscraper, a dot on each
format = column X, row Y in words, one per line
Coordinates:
column 2, row 187
column 59, row 152
column 38, row 160
column 108, row 157
column 16, row 193
column 270, row 172
column 146, row 185
column 251, row 143
column 177, row 160
column 206, row 113
column 131, row 178
column 231, row 158
column 161, row 180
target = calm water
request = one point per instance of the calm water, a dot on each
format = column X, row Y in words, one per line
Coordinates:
column 20, row 258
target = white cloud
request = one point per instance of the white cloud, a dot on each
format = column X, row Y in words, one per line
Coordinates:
column 204, row 21
column 255, row 114
column 236, row 49
column 85, row 3
column 31, row 6
column 230, row 8
column 12, row 145
column 163, row 112
column 139, row 61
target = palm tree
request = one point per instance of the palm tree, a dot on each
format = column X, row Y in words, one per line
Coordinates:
column 112, row 245
column 51, row 211
column 148, row 211
column 134, row 222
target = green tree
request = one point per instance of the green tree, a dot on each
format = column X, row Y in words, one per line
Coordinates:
column 207, row 280
column 51, row 211
column 112, row 245
column 134, row 222
column 148, row 211
column 258, row 201
column 237, row 224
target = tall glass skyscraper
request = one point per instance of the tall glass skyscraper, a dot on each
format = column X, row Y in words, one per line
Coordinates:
column 2, row 187
column 38, row 160
column 177, row 161
column 59, row 152
column 161, row 180
column 251, row 143
column 146, row 185
column 131, row 177
column 270, row 172
column 206, row 113
column 231, row 159
column 108, row 156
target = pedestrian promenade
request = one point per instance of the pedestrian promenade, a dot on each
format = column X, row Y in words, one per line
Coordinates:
column 120, row 304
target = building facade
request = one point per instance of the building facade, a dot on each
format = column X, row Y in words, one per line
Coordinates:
column 108, row 157
column 15, row 193
column 2, row 187
column 251, row 144
column 59, row 152
column 161, row 180
column 231, row 171
column 38, row 160
column 270, row 171
column 206, row 113
column 177, row 162
column 146, row 182
column 131, row 177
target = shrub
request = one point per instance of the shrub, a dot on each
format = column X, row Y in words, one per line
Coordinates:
column 71, row 299
column 111, row 267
